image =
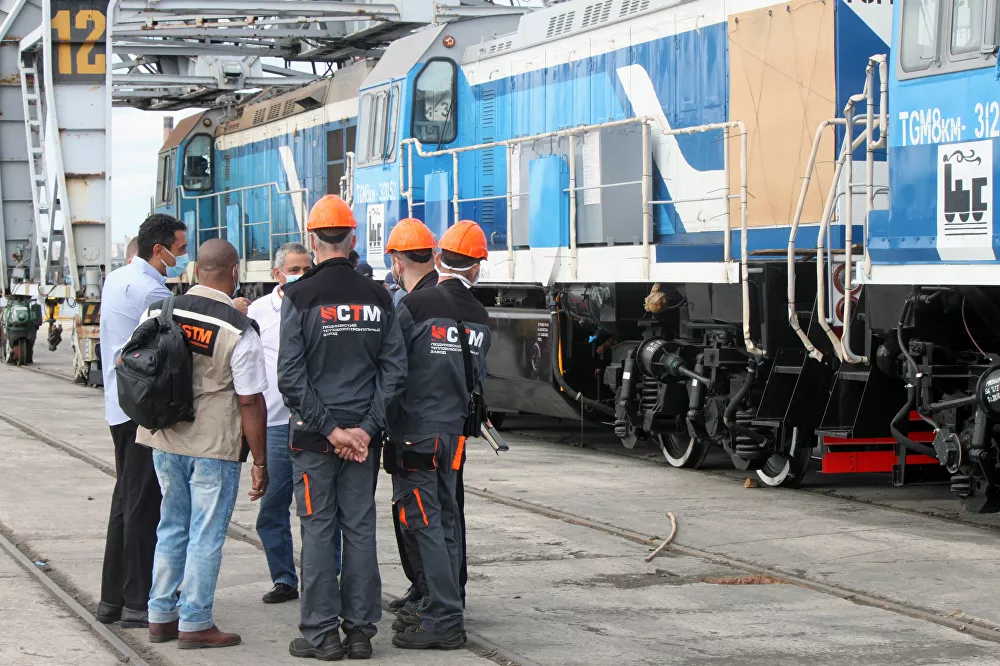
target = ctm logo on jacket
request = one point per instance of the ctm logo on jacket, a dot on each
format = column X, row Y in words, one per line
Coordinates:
column 350, row 313
column 450, row 333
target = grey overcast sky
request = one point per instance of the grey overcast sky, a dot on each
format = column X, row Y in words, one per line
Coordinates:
column 136, row 137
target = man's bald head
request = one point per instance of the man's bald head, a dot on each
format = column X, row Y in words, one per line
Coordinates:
column 217, row 261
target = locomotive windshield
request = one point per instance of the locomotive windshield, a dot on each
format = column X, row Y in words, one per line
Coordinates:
column 198, row 163
column 434, row 103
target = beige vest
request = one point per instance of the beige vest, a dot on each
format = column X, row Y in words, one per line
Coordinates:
column 216, row 431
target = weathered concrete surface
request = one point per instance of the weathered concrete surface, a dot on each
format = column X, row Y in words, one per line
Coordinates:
column 549, row 592
column 37, row 629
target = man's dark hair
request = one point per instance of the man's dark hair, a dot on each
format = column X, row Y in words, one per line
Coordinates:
column 332, row 237
column 157, row 229
column 456, row 260
column 419, row 256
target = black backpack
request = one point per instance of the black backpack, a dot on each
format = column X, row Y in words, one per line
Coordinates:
column 154, row 373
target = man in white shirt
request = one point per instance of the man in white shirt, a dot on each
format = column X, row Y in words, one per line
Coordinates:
column 273, row 523
column 161, row 250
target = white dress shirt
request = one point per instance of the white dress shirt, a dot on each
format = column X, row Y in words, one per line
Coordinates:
column 266, row 311
column 127, row 292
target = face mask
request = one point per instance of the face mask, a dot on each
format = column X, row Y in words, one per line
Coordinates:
column 291, row 278
column 180, row 263
column 461, row 278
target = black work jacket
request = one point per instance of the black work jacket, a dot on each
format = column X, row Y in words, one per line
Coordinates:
column 341, row 356
column 436, row 398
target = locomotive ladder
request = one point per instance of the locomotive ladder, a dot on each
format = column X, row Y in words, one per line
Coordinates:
column 874, row 118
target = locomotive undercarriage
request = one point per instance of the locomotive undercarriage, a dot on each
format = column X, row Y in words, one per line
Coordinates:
column 945, row 349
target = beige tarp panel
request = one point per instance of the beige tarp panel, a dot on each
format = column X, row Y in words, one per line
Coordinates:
column 782, row 85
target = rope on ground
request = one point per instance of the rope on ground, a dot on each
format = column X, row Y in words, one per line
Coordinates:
column 673, row 533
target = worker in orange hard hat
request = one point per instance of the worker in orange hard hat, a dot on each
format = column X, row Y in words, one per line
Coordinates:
column 463, row 247
column 341, row 357
column 411, row 250
column 447, row 335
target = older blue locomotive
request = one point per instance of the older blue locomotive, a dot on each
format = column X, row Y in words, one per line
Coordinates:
column 738, row 226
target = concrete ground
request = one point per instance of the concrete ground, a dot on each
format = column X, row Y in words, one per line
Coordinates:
column 545, row 587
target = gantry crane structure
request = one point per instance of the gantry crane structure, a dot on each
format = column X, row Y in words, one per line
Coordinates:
column 65, row 63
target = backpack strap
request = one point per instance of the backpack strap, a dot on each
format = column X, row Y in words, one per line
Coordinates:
column 166, row 312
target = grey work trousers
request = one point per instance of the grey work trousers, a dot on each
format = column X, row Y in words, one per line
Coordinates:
column 424, row 499
column 331, row 493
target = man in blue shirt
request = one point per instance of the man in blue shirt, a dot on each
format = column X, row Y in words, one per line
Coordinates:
column 135, row 504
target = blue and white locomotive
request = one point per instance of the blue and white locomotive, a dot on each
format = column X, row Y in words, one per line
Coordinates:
column 735, row 225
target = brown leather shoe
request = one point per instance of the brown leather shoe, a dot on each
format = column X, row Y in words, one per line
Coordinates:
column 209, row 638
column 161, row 632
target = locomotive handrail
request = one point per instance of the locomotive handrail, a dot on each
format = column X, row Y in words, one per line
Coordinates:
column 412, row 144
column 273, row 188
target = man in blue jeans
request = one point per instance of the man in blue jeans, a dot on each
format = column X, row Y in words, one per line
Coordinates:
column 198, row 462
column 273, row 523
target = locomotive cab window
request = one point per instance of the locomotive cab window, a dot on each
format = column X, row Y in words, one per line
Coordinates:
column 434, row 101
column 968, row 20
column 198, row 163
column 165, row 178
column 377, row 117
column 919, row 35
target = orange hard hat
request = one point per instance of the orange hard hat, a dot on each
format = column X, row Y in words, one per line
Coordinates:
column 465, row 238
column 331, row 212
column 410, row 234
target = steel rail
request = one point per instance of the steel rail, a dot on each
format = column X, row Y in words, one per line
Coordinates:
column 980, row 628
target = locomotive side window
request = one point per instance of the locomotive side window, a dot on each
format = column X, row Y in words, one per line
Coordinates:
column 334, row 160
column 165, row 178
column 377, row 139
column 198, row 163
column 434, row 103
column 968, row 19
column 919, row 47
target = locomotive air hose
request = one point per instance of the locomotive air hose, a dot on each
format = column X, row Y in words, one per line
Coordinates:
column 556, row 334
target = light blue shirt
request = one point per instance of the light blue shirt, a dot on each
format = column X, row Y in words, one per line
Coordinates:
column 128, row 292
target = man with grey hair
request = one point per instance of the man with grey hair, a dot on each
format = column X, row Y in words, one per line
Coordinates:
column 291, row 261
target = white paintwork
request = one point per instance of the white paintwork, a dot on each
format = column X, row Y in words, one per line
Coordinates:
column 292, row 174
column 934, row 274
column 342, row 110
column 683, row 180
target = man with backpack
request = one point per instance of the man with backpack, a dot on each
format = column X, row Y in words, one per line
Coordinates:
column 447, row 336
column 198, row 461
column 161, row 248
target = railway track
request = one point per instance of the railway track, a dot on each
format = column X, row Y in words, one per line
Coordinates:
column 980, row 628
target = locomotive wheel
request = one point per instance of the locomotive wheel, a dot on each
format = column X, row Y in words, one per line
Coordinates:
column 682, row 450
column 783, row 471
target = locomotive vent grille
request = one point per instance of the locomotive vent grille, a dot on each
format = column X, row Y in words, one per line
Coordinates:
column 561, row 24
column 289, row 107
column 274, row 112
column 227, row 167
column 488, row 123
column 498, row 47
column 630, row 7
column 599, row 12
column 258, row 116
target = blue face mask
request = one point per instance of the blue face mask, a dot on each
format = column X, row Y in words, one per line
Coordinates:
column 180, row 263
column 292, row 278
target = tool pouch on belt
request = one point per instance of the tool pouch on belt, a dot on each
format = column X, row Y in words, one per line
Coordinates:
column 306, row 440
column 408, row 457
column 390, row 454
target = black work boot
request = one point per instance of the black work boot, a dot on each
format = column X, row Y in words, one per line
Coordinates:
column 404, row 621
column 280, row 593
column 108, row 613
column 411, row 595
column 134, row 619
column 418, row 638
column 358, row 644
column 329, row 650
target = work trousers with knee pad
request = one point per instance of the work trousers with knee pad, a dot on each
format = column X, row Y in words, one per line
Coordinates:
column 424, row 500
column 331, row 493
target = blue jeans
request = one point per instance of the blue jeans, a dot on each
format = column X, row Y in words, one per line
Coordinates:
column 273, row 522
column 198, row 499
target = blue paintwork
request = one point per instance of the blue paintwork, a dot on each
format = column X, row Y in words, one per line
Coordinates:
column 855, row 43
column 926, row 112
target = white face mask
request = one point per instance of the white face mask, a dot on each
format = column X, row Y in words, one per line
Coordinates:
column 453, row 272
